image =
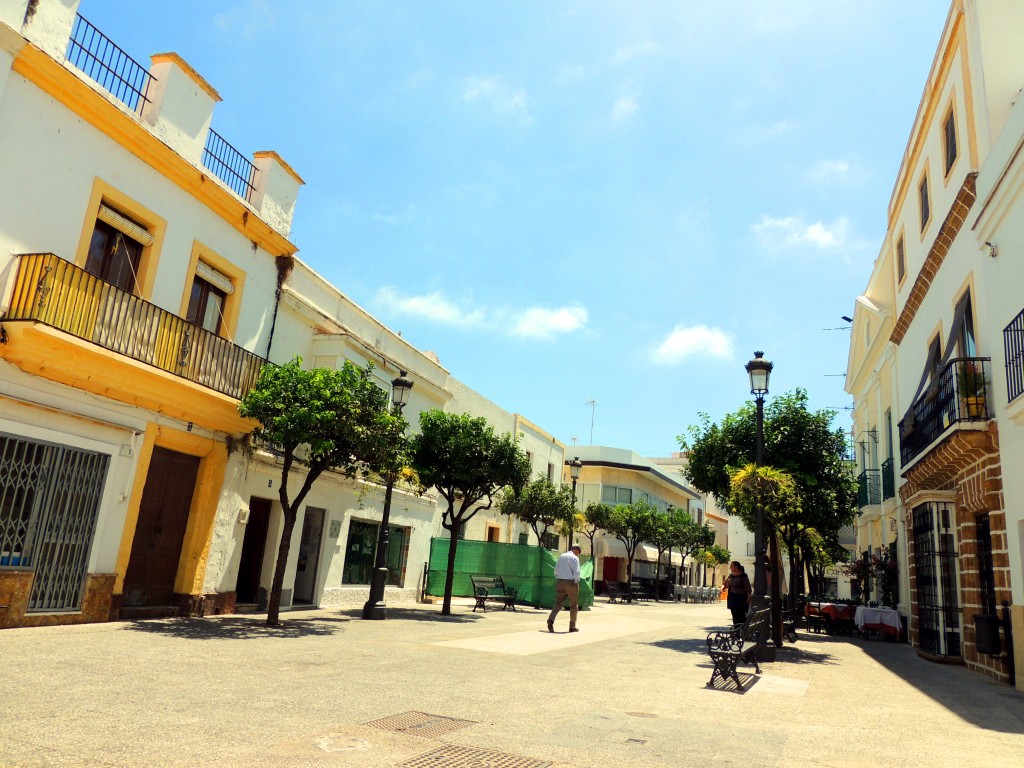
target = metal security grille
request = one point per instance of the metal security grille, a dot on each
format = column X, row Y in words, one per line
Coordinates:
column 49, row 502
column 986, row 571
column 935, row 565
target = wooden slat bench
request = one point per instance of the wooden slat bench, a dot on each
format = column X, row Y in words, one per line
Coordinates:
column 738, row 646
column 492, row 588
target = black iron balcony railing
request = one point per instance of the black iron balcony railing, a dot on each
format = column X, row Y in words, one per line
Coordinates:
column 959, row 394
column 118, row 73
column 54, row 292
column 868, row 490
column 229, row 165
column 888, row 480
column 1013, row 347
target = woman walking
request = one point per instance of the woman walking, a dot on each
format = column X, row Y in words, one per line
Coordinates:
column 739, row 592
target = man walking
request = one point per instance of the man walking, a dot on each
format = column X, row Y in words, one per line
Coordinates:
column 567, row 584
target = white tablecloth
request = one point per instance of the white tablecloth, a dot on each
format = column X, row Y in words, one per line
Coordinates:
column 885, row 619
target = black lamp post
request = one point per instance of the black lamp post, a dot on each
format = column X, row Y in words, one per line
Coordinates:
column 374, row 608
column 759, row 370
column 574, row 472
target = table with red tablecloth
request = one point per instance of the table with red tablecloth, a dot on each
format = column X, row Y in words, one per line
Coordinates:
column 881, row 619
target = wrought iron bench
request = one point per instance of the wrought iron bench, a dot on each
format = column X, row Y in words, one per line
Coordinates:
column 738, row 646
column 618, row 592
column 791, row 619
column 492, row 588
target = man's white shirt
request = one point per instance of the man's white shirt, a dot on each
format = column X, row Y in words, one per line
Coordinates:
column 568, row 567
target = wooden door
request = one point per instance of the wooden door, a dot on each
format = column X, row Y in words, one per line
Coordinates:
column 160, row 531
column 254, row 547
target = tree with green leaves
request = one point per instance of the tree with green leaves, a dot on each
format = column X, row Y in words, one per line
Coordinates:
column 322, row 419
column 468, row 464
column 590, row 522
column 663, row 538
column 715, row 555
column 632, row 524
column 800, row 442
column 540, row 504
column 819, row 554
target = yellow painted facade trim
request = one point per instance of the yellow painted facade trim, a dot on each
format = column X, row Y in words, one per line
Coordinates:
column 926, row 112
column 232, row 303
column 280, row 161
column 173, row 58
column 102, row 192
column 131, row 520
column 127, row 131
column 65, row 359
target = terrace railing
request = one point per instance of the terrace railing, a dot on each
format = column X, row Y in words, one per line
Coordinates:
column 958, row 395
column 888, row 479
column 118, row 73
column 1013, row 347
column 229, row 165
column 868, row 490
column 54, row 292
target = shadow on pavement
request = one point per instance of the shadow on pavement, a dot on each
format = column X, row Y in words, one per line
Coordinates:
column 236, row 628
column 977, row 699
column 414, row 614
column 791, row 654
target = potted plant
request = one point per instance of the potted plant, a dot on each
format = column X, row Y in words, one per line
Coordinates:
column 970, row 385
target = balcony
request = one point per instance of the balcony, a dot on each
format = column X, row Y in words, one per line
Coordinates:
column 868, row 488
column 54, row 292
column 957, row 396
column 888, row 480
column 1013, row 349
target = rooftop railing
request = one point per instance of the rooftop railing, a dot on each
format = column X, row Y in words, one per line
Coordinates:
column 229, row 165
column 55, row 292
column 118, row 73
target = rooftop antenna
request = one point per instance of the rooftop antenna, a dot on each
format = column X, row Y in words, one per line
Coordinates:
column 593, row 406
column 574, row 439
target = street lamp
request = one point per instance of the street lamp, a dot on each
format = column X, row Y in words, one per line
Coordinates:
column 574, row 472
column 374, row 608
column 759, row 370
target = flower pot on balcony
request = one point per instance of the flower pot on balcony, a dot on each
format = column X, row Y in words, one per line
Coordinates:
column 974, row 407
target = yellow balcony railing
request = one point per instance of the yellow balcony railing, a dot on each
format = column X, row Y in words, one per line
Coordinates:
column 52, row 291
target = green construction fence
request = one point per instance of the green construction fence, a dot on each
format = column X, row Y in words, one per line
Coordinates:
column 530, row 569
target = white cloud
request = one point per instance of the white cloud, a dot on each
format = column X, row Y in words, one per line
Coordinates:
column 630, row 52
column 624, row 108
column 792, row 231
column 432, row 306
column 697, row 340
column 542, row 323
column 246, row 20
column 503, row 100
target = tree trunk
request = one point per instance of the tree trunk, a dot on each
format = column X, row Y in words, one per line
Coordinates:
column 449, row 579
column 274, row 602
column 776, row 589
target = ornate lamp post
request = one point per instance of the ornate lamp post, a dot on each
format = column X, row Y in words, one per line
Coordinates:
column 574, row 472
column 759, row 370
column 374, row 608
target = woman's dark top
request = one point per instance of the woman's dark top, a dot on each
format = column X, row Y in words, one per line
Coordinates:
column 739, row 585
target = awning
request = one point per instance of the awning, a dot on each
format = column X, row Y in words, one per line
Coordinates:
column 610, row 547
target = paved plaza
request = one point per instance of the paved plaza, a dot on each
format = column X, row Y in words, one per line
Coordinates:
column 495, row 689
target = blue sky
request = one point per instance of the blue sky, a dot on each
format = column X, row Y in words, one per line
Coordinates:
column 575, row 201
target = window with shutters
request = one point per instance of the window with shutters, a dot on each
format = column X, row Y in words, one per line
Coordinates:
column 115, row 249
column 211, row 298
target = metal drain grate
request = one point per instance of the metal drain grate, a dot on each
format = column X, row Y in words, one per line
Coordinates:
column 454, row 756
column 641, row 714
column 420, row 724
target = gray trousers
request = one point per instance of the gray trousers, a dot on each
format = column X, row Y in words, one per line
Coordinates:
column 566, row 588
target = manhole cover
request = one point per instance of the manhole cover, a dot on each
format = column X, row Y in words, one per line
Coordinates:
column 454, row 756
column 420, row 724
column 640, row 714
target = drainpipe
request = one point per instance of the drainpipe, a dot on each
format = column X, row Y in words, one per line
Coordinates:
column 284, row 265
